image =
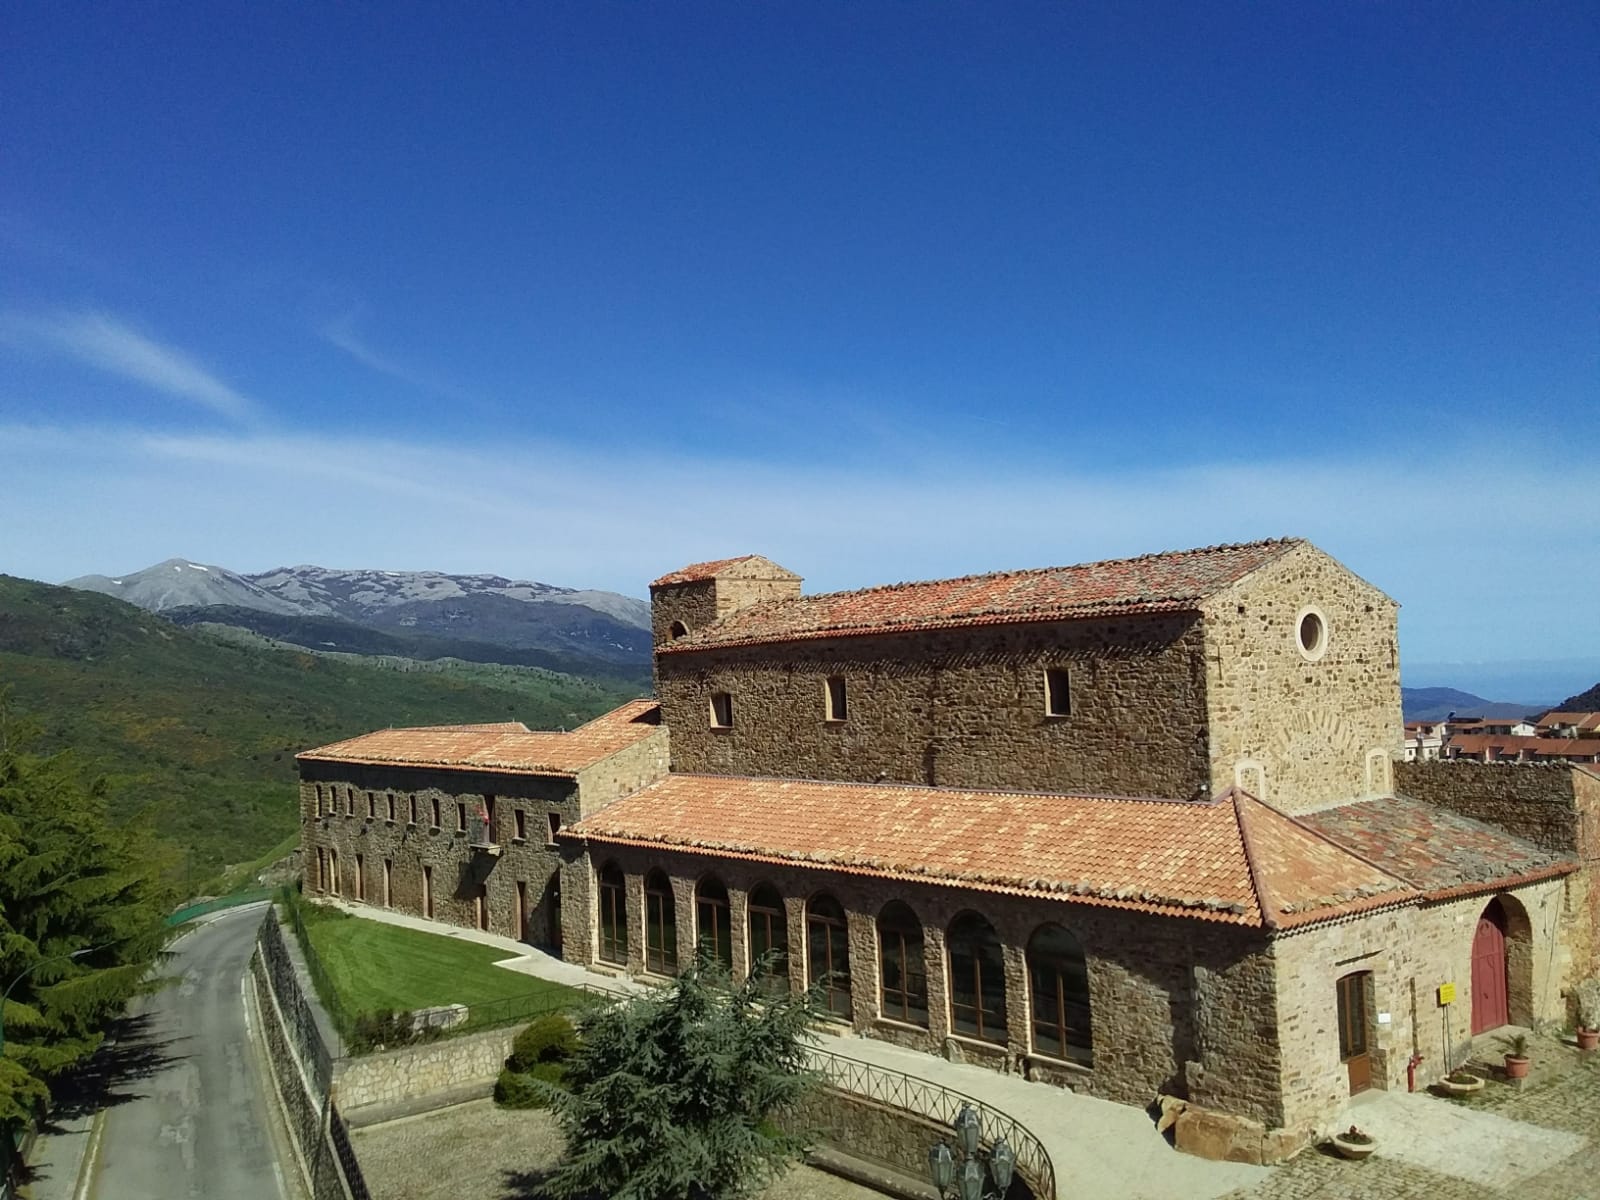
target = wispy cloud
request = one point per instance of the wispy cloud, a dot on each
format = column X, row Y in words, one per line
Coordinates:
column 341, row 333
column 107, row 344
column 116, row 500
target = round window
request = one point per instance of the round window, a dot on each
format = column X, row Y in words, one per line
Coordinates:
column 1311, row 632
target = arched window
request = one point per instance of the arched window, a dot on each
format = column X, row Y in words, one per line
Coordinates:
column 613, row 915
column 1059, row 977
column 677, row 630
column 977, row 979
column 660, row 925
column 769, row 934
column 828, row 952
column 711, row 920
column 903, row 976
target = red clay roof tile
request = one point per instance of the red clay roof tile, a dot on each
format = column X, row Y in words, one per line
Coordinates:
column 1231, row 859
column 508, row 748
column 1439, row 852
column 1171, row 582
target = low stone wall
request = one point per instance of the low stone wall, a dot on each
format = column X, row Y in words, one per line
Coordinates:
column 454, row 1065
column 301, row 1067
column 877, row 1133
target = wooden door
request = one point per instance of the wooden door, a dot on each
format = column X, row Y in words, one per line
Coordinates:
column 1491, row 1001
column 1353, row 1037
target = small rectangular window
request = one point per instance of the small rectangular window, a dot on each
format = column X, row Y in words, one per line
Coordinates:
column 522, row 825
column 555, row 827
column 836, row 703
column 349, row 801
column 721, row 710
column 413, row 810
column 1057, row 692
column 372, row 805
column 436, row 812
column 461, row 817
column 391, row 806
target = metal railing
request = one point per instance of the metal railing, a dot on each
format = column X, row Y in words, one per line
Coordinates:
column 940, row 1104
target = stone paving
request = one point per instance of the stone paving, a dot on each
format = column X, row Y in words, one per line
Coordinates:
column 1562, row 1096
column 482, row 1152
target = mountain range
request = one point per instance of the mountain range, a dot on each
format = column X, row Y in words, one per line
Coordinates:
column 423, row 614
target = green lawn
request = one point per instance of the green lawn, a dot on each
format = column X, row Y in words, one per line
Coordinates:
column 375, row 966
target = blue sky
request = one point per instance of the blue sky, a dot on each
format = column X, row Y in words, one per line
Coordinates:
column 581, row 292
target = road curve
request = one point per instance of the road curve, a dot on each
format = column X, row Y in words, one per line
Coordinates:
column 195, row 1122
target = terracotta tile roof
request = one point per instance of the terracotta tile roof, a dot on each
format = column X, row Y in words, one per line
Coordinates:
column 508, row 748
column 1584, row 721
column 696, row 572
column 1172, row 582
column 1231, row 859
column 1512, row 744
column 1438, row 851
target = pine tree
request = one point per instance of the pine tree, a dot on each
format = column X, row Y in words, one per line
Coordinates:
column 671, row 1095
column 70, row 881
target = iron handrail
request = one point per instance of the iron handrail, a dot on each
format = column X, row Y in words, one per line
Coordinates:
column 938, row 1103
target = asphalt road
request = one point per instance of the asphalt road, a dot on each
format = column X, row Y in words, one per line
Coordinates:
column 194, row 1120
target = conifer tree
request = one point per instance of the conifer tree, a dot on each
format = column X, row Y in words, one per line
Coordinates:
column 70, row 881
column 671, row 1095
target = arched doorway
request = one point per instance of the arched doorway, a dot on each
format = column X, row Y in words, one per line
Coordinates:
column 1491, row 993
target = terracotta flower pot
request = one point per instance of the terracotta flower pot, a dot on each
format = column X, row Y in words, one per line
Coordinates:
column 1588, row 1039
column 1516, row 1067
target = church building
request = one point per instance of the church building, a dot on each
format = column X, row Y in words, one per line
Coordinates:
column 1130, row 828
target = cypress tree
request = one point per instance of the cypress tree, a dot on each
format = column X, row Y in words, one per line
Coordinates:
column 70, row 881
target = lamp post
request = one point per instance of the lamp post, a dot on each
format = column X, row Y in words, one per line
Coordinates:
column 42, row 962
column 969, row 1178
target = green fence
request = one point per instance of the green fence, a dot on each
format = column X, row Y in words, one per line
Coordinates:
column 191, row 911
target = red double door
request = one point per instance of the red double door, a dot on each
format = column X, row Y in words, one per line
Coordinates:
column 1491, row 1003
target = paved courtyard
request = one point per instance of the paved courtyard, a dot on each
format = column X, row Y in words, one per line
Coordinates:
column 1537, row 1142
column 479, row 1151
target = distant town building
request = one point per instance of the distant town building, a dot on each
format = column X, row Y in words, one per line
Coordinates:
column 1129, row 827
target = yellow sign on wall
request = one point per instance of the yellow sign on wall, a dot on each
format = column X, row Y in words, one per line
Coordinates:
column 1447, row 993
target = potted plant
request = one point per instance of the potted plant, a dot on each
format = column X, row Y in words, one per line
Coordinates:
column 1517, row 1062
column 1461, row 1083
column 1353, row 1143
column 1588, row 1039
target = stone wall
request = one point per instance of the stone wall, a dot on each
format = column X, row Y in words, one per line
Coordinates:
column 956, row 708
column 451, row 1065
column 1178, row 1006
column 1533, row 801
column 1306, row 734
column 517, row 886
column 296, row 1058
column 624, row 772
column 1409, row 952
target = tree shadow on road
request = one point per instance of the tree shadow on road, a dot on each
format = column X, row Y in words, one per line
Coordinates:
column 132, row 1052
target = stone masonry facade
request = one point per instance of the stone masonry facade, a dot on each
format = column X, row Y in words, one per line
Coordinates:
column 1229, row 972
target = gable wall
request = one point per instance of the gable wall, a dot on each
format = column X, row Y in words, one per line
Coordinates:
column 1310, row 725
column 956, row 708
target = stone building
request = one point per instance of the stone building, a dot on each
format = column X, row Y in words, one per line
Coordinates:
column 1127, row 827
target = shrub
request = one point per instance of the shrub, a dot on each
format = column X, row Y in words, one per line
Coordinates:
column 550, row 1039
column 519, row 1089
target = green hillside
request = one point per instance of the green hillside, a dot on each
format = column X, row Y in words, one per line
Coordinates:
column 203, row 729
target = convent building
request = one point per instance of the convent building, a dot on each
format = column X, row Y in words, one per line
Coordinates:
column 1131, row 828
